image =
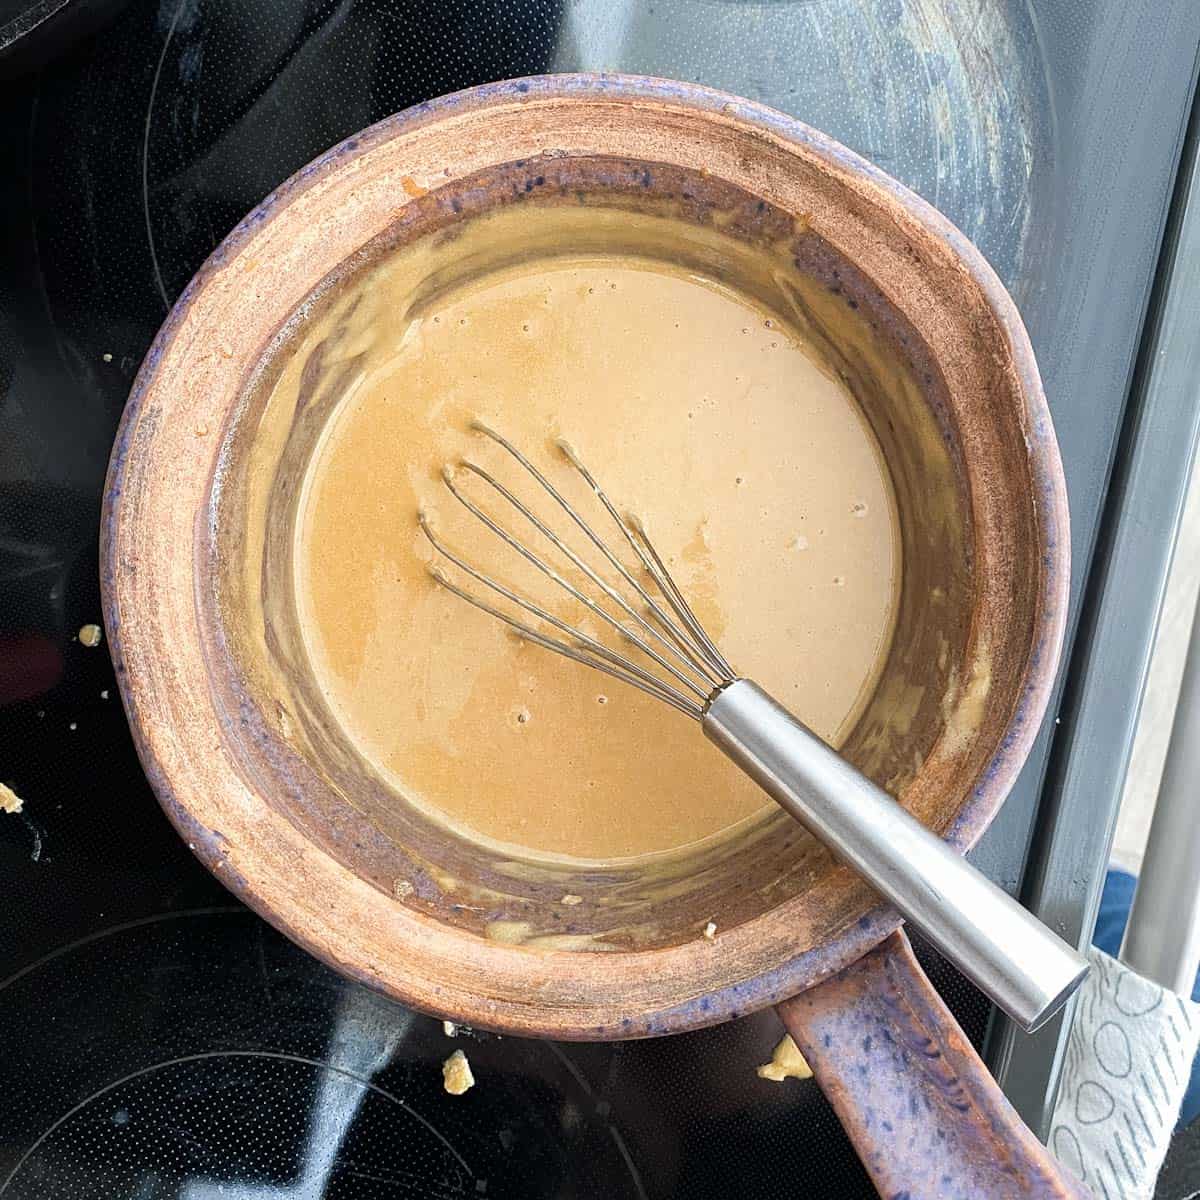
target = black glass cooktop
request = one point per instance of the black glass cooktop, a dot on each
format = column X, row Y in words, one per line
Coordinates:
column 156, row 1039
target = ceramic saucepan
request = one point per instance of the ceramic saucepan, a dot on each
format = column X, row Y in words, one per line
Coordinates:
column 258, row 777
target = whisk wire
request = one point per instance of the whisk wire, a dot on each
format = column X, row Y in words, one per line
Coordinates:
column 578, row 636
column 654, row 566
column 698, row 661
column 682, row 609
column 698, row 690
column 674, row 627
column 699, row 683
column 610, row 663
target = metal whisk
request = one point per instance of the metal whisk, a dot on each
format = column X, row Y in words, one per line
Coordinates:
column 1027, row 970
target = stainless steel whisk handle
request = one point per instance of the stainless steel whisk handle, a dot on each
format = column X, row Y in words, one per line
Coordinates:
column 1026, row 969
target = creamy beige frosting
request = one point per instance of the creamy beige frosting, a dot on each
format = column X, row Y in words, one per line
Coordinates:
column 706, row 415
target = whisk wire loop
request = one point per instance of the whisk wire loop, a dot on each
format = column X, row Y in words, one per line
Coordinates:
column 669, row 627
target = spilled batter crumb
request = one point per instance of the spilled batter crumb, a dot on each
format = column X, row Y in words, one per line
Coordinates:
column 456, row 1074
column 10, row 802
column 786, row 1063
column 90, row 635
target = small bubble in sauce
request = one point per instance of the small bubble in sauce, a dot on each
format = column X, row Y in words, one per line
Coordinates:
column 800, row 542
column 601, row 699
column 839, row 581
column 859, row 508
column 523, row 715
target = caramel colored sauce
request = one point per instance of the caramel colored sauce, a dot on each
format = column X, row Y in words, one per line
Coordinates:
column 753, row 469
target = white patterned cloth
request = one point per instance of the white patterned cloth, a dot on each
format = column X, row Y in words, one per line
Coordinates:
column 1128, row 1059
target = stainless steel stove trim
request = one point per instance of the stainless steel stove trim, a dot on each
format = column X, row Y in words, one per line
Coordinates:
column 1122, row 601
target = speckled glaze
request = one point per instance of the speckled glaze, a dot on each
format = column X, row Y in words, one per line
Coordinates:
column 919, row 1105
column 243, row 800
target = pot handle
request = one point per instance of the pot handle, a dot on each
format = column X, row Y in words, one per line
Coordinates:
column 925, row 1117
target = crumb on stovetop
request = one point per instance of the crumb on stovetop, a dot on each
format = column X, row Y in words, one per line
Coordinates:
column 786, row 1063
column 456, row 1074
